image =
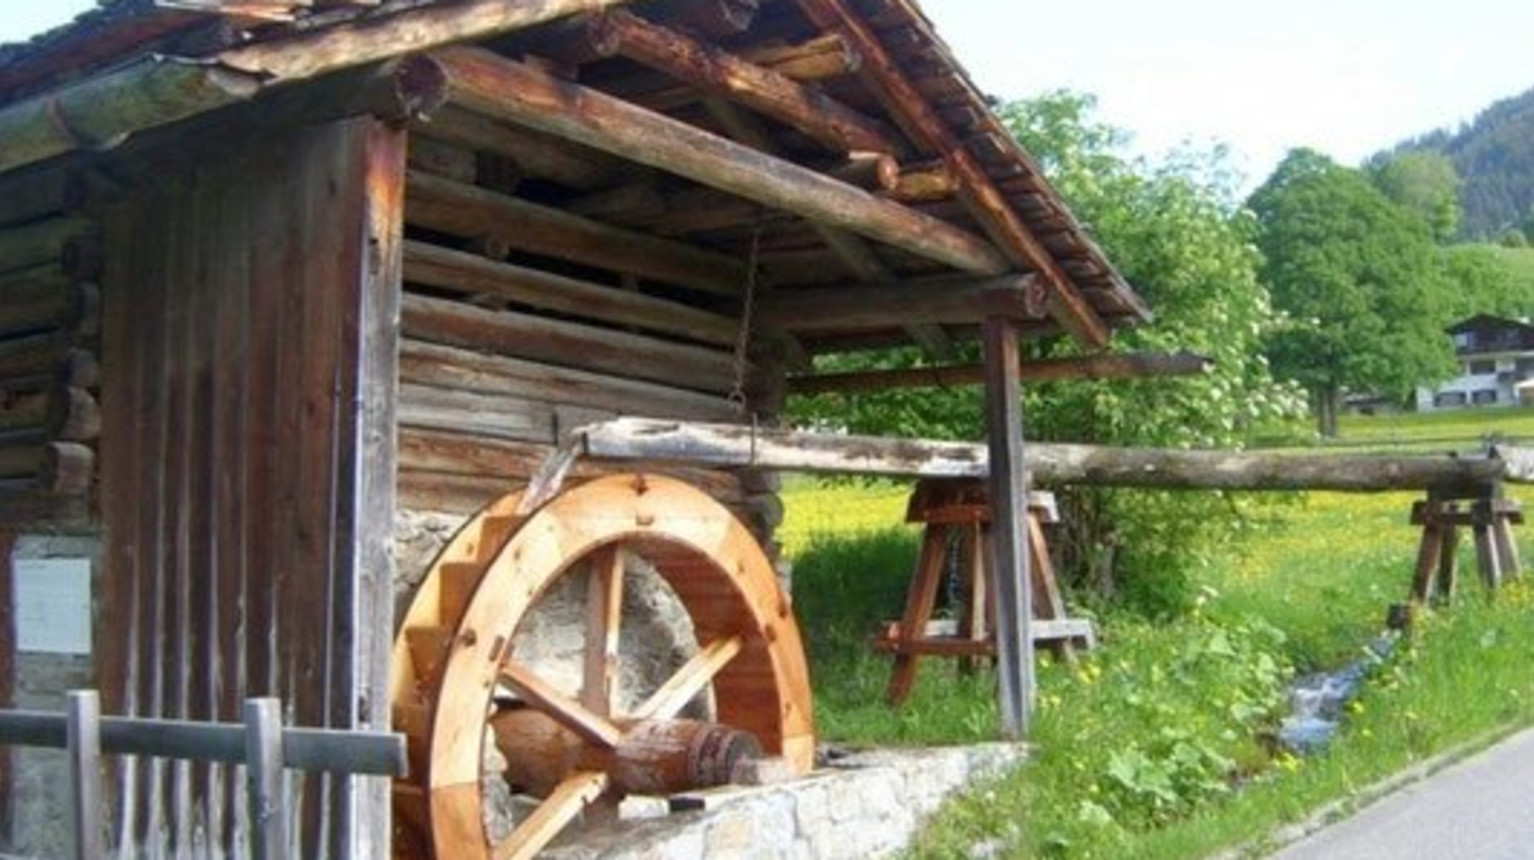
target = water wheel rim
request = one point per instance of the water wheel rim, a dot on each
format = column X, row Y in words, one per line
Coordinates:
column 721, row 577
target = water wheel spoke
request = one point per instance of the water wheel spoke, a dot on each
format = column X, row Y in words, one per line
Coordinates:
column 560, row 808
column 604, row 612
column 595, row 728
column 689, row 681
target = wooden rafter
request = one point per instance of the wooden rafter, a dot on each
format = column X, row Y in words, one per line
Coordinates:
column 984, row 200
column 318, row 52
column 515, row 92
column 1130, row 366
column 851, row 250
column 725, row 75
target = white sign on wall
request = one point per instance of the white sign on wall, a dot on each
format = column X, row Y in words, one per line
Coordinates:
column 53, row 605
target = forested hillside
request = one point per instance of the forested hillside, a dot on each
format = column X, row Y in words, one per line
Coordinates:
column 1494, row 156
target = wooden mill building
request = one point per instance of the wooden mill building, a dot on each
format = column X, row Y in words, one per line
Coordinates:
column 275, row 274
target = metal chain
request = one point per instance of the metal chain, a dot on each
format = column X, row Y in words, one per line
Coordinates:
column 748, row 310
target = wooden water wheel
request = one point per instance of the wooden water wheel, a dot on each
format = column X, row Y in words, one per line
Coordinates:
column 455, row 671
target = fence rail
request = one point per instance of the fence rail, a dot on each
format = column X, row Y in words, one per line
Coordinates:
column 260, row 743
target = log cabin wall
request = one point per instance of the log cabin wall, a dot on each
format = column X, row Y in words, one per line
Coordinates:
column 251, row 307
column 524, row 320
column 50, row 265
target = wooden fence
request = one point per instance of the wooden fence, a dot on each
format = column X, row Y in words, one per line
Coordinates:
column 261, row 744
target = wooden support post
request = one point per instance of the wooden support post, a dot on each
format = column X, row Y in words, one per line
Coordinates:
column 85, row 808
column 1430, row 551
column 918, row 610
column 1009, row 540
column 263, row 767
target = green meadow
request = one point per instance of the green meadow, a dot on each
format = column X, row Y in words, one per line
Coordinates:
column 1160, row 743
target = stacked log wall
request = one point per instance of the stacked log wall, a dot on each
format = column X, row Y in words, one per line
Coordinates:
column 50, row 318
column 512, row 341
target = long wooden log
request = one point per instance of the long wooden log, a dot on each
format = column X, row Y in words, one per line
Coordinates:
column 568, row 344
column 497, row 87
column 447, row 367
column 874, row 307
column 508, row 463
column 473, row 212
column 33, row 307
column 537, row 154
column 985, row 201
column 434, row 266
column 822, row 58
column 103, row 110
column 1051, row 464
column 39, row 244
column 40, row 194
column 426, row 408
column 712, row 70
column 1121, row 366
column 315, row 52
column 54, row 356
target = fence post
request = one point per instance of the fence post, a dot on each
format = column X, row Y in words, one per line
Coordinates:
column 263, row 769
column 84, row 733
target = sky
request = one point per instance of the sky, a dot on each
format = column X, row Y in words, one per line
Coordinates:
column 1346, row 77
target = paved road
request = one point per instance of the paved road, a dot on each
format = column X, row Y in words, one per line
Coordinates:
column 1479, row 809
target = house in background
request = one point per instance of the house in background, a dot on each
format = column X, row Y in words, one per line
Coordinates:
column 1496, row 356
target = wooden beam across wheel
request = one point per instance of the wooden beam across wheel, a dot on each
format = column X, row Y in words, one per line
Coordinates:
column 576, row 747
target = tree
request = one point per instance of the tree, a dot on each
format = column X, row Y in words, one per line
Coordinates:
column 1175, row 234
column 1359, row 280
column 1425, row 183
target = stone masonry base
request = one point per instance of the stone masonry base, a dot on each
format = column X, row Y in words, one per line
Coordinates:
column 866, row 805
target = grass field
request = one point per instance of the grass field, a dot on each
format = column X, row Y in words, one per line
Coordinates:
column 1159, row 744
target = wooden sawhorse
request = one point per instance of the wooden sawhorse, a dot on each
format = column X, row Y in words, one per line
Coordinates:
column 956, row 513
column 1490, row 517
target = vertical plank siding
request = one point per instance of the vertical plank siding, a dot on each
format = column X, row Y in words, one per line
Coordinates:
column 250, row 340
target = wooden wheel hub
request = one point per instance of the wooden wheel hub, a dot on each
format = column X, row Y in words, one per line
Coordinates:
column 574, row 747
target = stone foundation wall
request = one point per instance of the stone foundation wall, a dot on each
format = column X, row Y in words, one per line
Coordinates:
column 869, row 805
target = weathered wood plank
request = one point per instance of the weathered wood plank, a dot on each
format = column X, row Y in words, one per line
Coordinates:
column 568, row 344
column 1051, row 464
column 322, row 50
column 446, row 367
column 473, row 212
column 435, row 266
column 103, row 110
column 538, row 155
column 497, row 87
column 39, row 244
column 1008, row 545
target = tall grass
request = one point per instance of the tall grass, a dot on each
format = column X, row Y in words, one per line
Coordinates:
column 1159, row 743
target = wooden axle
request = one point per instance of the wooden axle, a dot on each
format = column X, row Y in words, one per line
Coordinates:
column 654, row 756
